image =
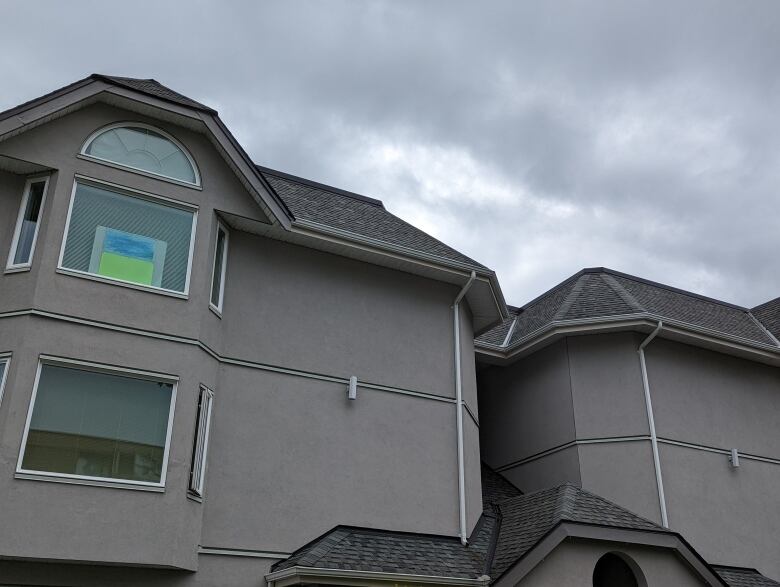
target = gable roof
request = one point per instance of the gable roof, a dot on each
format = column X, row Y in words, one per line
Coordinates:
column 600, row 295
column 526, row 519
column 153, row 88
column 744, row 577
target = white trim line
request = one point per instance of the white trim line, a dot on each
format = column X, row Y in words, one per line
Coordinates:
column 130, row 193
column 89, row 366
column 651, row 422
column 10, row 266
column 219, row 358
column 370, row 576
column 245, row 553
column 130, row 124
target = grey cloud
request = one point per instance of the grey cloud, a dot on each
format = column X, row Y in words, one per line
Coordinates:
column 639, row 135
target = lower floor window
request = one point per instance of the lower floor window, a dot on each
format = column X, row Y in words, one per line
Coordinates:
column 98, row 424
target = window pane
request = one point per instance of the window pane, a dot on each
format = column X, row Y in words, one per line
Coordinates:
column 132, row 239
column 98, row 425
column 143, row 149
column 29, row 223
column 219, row 261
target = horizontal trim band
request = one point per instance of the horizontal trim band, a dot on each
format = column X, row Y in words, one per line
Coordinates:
column 242, row 552
column 617, row 439
column 219, row 358
column 314, row 572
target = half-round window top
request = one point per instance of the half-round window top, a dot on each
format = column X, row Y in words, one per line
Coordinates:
column 614, row 570
column 143, row 148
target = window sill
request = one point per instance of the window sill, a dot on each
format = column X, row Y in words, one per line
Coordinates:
column 214, row 309
column 17, row 269
column 127, row 284
column 194, row 497
column 91, row 482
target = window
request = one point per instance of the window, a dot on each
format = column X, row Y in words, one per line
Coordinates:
column 96, row 423
column 201, row 443
column 127, row 237
column 143, row 148
column 220, row 265
column 613, row 571
column 3, row 374
column 26, row 231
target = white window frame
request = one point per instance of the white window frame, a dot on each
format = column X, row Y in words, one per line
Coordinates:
column 5, row 359
column 218, row 307
column 10, row 266
column 127, row 124
column 200, row 445
column 131, row 193
column 86, row 479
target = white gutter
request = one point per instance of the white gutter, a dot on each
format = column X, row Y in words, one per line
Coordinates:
column 459, row 409
column 396, row 578
column 651, row 422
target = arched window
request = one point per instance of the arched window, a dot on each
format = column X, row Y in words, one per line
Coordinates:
column 143, row 148
column 613, row 570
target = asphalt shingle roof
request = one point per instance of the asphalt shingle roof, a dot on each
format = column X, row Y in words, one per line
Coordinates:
column 357, row 214
column 603, row 293
column 510, row 526
column 742, row 577
column 154, row 88
column 527, row 518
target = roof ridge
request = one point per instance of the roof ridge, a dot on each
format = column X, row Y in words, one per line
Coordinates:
column 573, row 294
column 664, row 286
column 321, row 550
column 624, row 294
column 566, row 500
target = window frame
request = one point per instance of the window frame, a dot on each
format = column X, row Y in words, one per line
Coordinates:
column 130, row 193
column 129, row 124
column 218, row 308
column 10, row 266
column 5, row 358
column 92, row 367
column 200, row 450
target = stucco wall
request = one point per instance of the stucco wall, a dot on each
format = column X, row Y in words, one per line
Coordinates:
column 571, row 564
column 528, row 406
column 290, row 457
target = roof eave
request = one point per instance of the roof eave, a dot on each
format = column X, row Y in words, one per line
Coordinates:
column 641, row 322
column 485, row 297
column 313, row 575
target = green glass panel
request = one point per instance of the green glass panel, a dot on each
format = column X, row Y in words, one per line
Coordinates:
column 127, row 268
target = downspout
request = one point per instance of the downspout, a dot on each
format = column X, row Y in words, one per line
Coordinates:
column 459, row 409
column 651, row 421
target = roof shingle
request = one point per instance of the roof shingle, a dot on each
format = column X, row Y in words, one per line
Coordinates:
column 604, row 293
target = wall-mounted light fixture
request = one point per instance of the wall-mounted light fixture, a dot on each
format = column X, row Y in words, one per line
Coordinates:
column 352, row 392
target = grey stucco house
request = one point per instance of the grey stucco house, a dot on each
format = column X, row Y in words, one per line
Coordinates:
column 215, row 373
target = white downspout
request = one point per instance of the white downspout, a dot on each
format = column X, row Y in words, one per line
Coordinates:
column 459, row 409
column 651, row 421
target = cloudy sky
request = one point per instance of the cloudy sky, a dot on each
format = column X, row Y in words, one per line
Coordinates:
column 537, row 137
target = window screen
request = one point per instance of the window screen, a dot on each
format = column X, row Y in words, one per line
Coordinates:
column 200, row 445
column 218, row 275
column 27, row 226
column 128, row 238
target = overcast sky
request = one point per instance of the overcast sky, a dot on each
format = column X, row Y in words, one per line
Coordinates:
column 538, row 138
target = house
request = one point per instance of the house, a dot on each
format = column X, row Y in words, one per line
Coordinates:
column 215, row 373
